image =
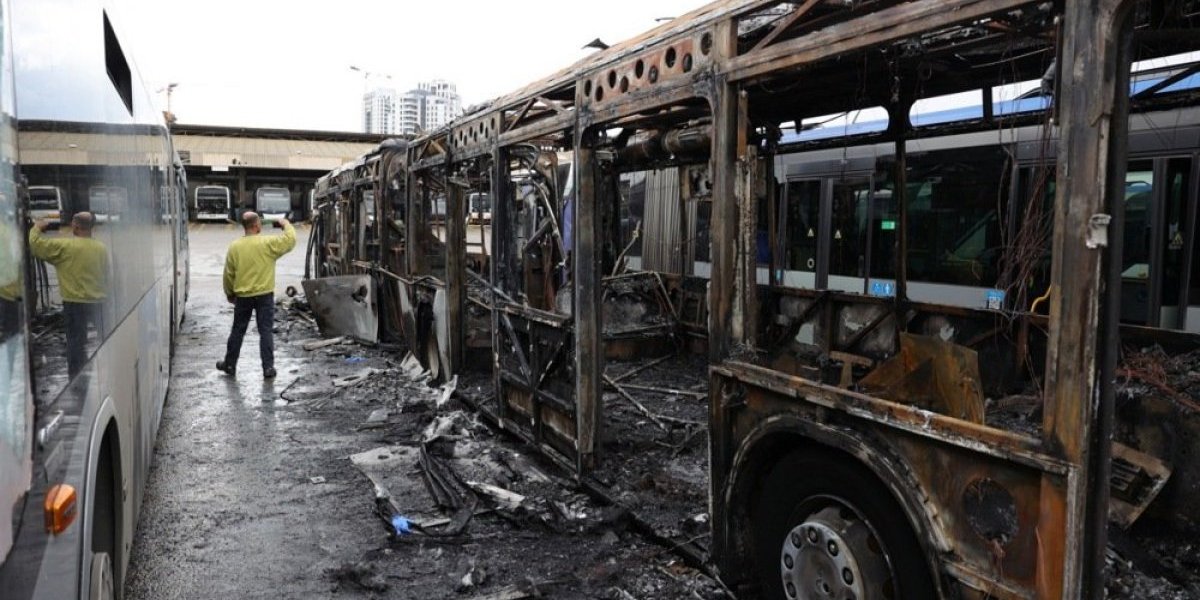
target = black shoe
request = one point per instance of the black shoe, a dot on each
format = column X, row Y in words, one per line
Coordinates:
column 269, row 373
column 226, row 369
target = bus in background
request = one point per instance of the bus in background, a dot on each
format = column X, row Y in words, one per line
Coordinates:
column 107, row 202
column 479, row 205
column 212, row 203
column 84, row 350
column 45, row 202
column 272, row 203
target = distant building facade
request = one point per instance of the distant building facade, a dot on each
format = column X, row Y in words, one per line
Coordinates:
column 427, row 107
column 431, row 105
column 380, row 112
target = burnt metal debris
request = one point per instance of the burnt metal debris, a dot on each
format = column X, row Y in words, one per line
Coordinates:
column 849, row 329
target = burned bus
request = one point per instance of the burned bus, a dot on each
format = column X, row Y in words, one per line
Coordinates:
column 914, row 332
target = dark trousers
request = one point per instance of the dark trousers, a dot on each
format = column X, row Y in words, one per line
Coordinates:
column 76, row 318
column 263, row 308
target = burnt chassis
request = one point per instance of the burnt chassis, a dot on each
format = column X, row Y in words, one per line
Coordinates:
column 354, row 236
column 547, row 339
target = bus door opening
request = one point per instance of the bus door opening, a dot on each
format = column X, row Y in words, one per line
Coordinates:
column 1158, row 266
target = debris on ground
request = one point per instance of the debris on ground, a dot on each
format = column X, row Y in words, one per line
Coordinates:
column 317, row 344
column 472, row 498
column 361, row 575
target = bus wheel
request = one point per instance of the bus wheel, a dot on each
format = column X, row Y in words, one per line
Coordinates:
column 826, row 528
column 103, row 587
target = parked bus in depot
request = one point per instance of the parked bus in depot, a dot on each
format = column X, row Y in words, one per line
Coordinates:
column 212, row 203
column 45, row 202
column 84, row 361
column 914, row 333
column 107, row 202
column 272, row 203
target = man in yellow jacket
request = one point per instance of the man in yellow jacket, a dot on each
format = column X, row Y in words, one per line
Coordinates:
column 250, row 287
column 81, row 262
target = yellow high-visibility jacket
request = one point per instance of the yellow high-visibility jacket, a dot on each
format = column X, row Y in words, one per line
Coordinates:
column 81, row 263
column 250, row 262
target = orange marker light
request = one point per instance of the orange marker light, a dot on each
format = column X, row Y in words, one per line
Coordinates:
column 60, row 508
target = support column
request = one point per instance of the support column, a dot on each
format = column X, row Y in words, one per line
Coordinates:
column 456, row 273
column 586, row 282
column 501, row 207
column 723, row 227
column 1091, row 102
column 745, row 304
column 241, row 198
column 721, row 289
column 413, row 218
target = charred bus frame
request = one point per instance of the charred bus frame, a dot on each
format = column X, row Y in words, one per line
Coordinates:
column 713, row 88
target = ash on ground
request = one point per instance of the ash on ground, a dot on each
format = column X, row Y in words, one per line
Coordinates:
column 465, row 512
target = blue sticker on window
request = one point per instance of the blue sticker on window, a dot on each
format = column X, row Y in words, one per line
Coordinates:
column 994, row 299
column 883, row 288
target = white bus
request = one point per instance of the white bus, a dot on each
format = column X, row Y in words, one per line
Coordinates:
column 82, row 382
column 272, row 203
column 45, row 202
column 107, row 202
column 211, row 203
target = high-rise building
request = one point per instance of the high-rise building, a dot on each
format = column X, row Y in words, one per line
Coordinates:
column 410, row 108
column 379, row 111
column 430, row 106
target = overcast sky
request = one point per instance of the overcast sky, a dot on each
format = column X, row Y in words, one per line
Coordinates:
column 286, row 63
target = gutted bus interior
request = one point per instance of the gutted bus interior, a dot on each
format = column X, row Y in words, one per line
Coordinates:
column 934, row 255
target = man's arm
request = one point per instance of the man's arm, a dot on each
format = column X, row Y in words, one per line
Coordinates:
column 42, row 247
column 228, row 277
column 278, row 245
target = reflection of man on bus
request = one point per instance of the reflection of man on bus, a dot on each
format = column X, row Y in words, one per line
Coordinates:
column 250, row 287
column 82, row 266
column 12, row 284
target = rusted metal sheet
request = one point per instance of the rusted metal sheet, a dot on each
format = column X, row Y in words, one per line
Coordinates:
column 933, row 374
column 1137, row 478
column 344, row 305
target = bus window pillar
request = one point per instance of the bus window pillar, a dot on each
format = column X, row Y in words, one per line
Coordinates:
column 899, row 126
column 1091, row 102
column 729, row 135
column 1192, row 202
column 456, row 274
column 501, row 265
column 727, row 132
column 745, row 299
column 586, row 264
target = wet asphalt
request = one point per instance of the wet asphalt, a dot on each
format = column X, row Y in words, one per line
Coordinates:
column 230, row 510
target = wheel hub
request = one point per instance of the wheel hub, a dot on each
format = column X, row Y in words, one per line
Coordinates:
column 833, row 555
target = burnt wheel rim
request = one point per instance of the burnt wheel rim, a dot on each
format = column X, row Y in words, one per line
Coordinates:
column 834, row 554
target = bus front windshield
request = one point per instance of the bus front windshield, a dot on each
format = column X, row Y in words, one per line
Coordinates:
column 274, row 200
column 43, row 198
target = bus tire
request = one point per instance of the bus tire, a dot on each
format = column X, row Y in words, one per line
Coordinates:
column 825, row 527
column 103, row 587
